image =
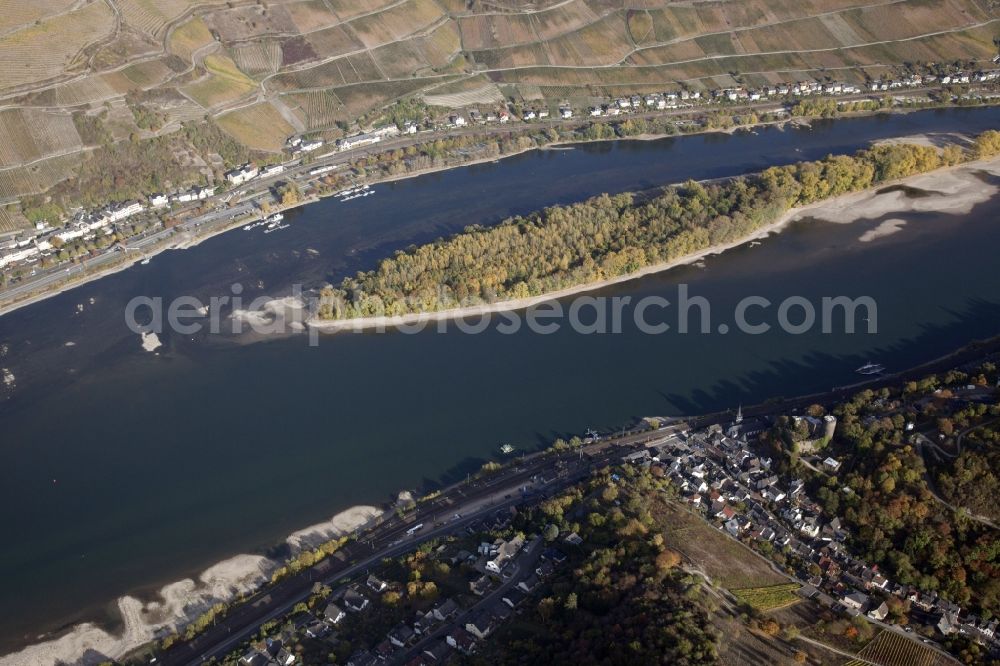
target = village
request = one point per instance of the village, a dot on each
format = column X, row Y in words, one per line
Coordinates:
column 497, row 577
column 736, row 489
column 714, row 471
column 52, row 243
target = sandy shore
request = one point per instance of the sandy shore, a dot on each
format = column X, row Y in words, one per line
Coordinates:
column 955, row 190
column 178, row 603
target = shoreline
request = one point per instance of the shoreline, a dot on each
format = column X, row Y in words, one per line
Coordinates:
column 133, row 631
column 803, row 121
column 791, row 215
column 147, row 614
column 179, row 243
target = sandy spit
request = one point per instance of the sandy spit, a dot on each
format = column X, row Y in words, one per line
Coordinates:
column 954, row 190
column 887, row 228
column 177, row 603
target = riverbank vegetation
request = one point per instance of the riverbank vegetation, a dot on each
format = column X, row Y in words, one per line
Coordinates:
column 612, row 236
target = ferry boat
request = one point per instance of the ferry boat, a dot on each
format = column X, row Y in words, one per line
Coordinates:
column 277, row 217
column 871, row 369
column 506, row 449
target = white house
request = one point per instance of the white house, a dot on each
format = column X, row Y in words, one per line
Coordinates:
column 879, row 613
column 159, row 200
column 364, row 139
column 334, row 613
column 855, row 600
column 116, row 213
column 506, row 552
column 15, row 256
column 242, row 175
column 566, row 112
column 273, row 170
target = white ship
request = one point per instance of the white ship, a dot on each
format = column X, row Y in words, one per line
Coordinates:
column 871, row 369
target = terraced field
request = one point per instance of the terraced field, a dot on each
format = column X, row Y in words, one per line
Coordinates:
column 260, row 126
column 770, row 597
column 891, row 649
column 52, row 46
column 328, row 62
column 27, row 135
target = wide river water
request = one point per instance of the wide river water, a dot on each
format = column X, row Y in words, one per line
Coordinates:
column 126, row 470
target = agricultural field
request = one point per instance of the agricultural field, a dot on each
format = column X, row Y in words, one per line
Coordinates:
column 190, row 37
column 318, row 110
column 722, row 559
column 27, row 135
column 770, row 597
column 51, row 47
column 223, row 83
column 11, row 219
column 318, row 65
column 891, row 649
column 148, row 74
column 153, row 16
column 16, row 14
column 261, row 127
column 37, row 177
column 258, row 59
column 485, row 94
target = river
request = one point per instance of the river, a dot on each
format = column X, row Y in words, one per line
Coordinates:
column 126, row 470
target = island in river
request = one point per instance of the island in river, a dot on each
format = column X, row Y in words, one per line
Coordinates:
column 566, row 250
column 168, row 463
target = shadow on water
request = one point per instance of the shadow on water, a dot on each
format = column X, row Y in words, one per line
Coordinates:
column 979, row 314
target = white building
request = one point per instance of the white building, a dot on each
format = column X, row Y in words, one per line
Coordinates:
column 20, row 254
column 566, row 112
column 126, row 210
column 242, row 175
column 309, row 146
column 358, row 140
column 270, row 171
column 159, row 200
